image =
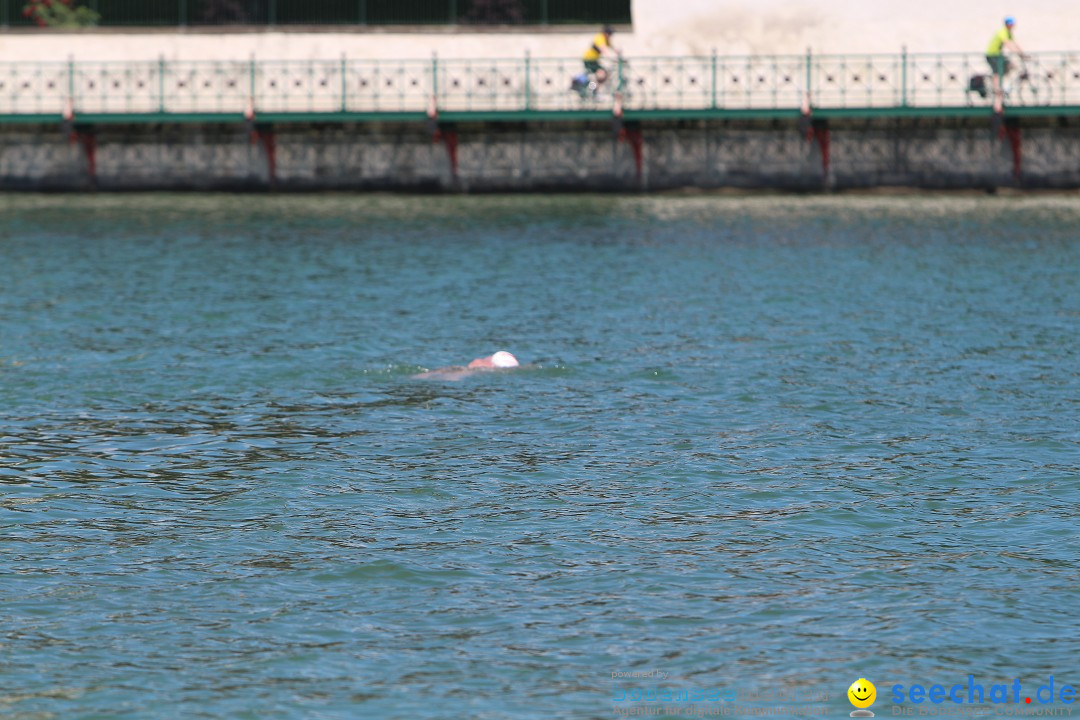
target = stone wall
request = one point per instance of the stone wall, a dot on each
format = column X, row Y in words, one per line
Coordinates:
column 498, row 157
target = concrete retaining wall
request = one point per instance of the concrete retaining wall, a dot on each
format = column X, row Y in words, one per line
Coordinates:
column 544, row 156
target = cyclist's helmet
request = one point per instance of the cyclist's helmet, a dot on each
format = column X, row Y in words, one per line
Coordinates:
column 1010, row 21
column 608, row 29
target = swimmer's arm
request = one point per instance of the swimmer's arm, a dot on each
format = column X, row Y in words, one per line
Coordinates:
column 442, row 372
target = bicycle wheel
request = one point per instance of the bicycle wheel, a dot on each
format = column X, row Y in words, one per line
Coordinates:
column 1034, row 88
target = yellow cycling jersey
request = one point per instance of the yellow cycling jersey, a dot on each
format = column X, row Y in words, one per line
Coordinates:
column 593, row 53
column 1000, row 38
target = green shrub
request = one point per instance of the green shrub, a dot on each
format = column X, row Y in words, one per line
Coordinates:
column 60, row 14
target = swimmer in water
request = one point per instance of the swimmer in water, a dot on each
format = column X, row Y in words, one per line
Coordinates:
column 501, row 360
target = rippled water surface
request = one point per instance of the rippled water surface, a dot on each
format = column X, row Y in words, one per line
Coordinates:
column 759, row 443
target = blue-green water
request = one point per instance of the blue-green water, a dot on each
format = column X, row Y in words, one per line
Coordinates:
column 761, row 443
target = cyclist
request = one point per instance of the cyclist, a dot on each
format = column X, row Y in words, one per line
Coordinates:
column 601, row 46
column 995, row 55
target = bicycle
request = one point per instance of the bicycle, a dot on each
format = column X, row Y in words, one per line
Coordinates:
column 589, row 88
column 1022, row 87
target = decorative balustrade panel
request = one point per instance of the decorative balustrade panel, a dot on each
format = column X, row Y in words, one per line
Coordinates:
column 760, row 82
column 34, row 88
column 306, row 86
column 483, row 85
column 868, row 81
column 388, row 86
column 550, row 87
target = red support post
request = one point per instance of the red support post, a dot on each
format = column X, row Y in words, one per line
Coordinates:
column 87, row 140
column 264, row 135
column 1010, row 130
column 819, row 130
column 449, row 138
column 630, row 133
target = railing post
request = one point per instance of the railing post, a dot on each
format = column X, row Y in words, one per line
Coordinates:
column 344, row 83
column 528, row 87
column 714, row 78
column 453, row 12
column 809, row 76
column 272, row 13
column 619, row 85
column 748, row 84
column 903, row 76
column 161, row 84
column 939, row 85
column 543, row 12
column 182, row 10
column 1064, row 88
column 71, row 82
column 251, row 84
column 435, row 76
column 361, row 12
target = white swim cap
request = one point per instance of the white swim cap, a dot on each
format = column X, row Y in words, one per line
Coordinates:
column 503, row 359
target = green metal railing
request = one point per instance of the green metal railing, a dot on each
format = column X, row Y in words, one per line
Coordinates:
column 528, row 86
column 342, row 12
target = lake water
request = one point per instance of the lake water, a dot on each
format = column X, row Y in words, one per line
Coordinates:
column 760, row 443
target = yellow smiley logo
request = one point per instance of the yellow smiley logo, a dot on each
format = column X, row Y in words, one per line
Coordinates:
column 862, row 693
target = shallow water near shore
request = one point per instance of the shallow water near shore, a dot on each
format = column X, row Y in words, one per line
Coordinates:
column 762, row 442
